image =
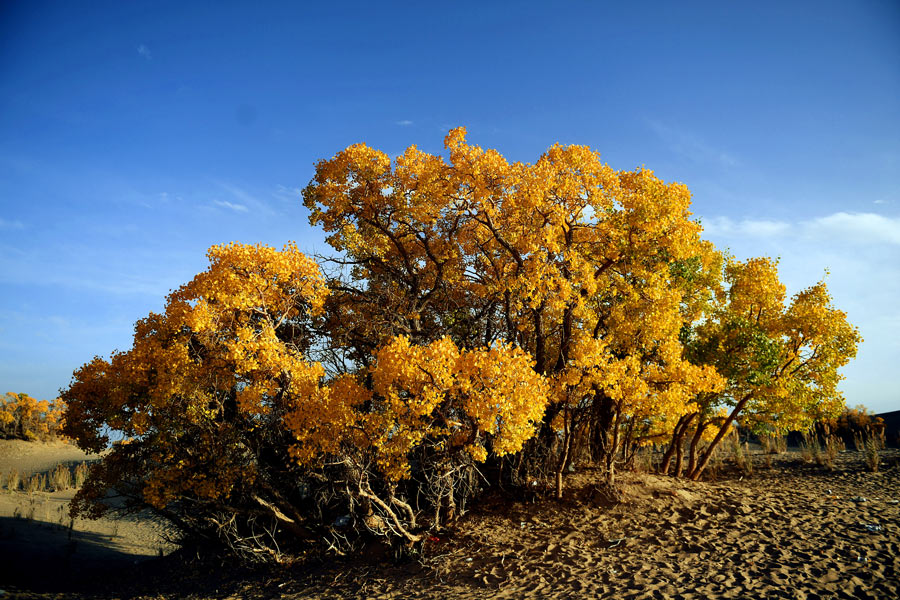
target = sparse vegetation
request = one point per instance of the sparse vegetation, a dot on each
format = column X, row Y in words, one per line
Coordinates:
column 773, row 443
column 870, row 441
column 60, row 478
column 810, row 449
column 37, row 482
column 740, row 453
column 81, row 473
column 13, row 480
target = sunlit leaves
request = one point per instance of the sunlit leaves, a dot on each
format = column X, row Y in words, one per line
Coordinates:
column 24, row 417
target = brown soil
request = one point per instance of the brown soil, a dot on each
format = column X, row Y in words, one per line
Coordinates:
column 791, row 530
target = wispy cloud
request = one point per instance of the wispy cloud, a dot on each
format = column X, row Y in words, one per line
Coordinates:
column 691, row 145
column 725, row 226
column 863, row 228
column 287, row 194
column 145, row 52
column 404, row 123
column 242, row 200
column 231, row 205
column 857, row 228
column 6, row 224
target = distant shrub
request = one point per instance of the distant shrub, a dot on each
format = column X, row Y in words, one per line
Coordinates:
column 61, row 478
column 773, row 443
column 22, row 417
column 13, row 480
column 81, row 473
column 36, row 483
column 850, row 424
column 870, row 442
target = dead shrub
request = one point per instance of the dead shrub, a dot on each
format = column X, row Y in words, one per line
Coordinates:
column 810, row 449
column 81, row 473
column 36, row 483
column 740, row 454
column 61, row 478
column 13, row 480
column 773, row 443
column 870, row 442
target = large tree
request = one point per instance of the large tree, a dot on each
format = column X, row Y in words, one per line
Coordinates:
column 476, row 310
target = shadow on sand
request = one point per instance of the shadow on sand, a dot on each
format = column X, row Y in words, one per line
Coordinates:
column 40, row 556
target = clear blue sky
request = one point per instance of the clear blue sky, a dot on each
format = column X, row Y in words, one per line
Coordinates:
column 134, row 135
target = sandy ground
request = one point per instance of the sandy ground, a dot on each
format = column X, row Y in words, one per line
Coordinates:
column 36, row 532
column 791, row 530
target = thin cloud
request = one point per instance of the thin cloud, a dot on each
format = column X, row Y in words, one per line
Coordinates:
column 691, row 146
column 287, row 194
column 243, row 198
column 231, row 205
column 4, row 224
column 856, row 228
column 404, row 123
column 864, row 228
column 145, row 52
column 725, row 226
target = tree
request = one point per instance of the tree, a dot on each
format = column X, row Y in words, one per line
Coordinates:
column 478, row 312
column 23, row 417
column 780, row 360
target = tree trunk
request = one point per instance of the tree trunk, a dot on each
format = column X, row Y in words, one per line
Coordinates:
column 705, row 456
column 612, row 447
column 564, row 459
column 695, row 444
column 679, row 459
column 677, row 439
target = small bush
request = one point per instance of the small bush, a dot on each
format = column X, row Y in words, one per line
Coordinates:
column 61, row 478
column 810, row 448
column 833, row 445
column 773, row 443
column 870, row 442
column 740, row 454
column 35, row 483
column 13, row 480
column 81, row 473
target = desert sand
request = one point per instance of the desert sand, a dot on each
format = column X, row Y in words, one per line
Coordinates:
column 790, row 530
column 40, row 545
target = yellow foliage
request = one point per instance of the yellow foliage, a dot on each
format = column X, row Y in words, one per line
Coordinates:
column 24, row 417
column 470, row 400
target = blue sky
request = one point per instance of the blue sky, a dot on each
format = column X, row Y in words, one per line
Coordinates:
column 135, row 135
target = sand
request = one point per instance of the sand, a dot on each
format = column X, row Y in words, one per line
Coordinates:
column 791, row 530
column 40, row 545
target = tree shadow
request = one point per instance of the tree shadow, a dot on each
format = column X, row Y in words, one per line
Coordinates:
column 47, row 557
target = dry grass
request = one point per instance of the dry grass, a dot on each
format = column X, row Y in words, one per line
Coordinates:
column 772, row 443
column 13, row 480
column 812, row 450
column 81, row 473
column 60, row 478
column 870, row 443
column 740, row 453
column 35, row 483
